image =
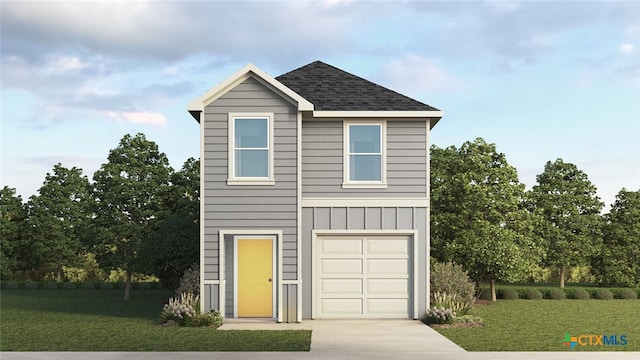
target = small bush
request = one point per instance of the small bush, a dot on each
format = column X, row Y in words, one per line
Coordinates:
column 11, row 286
column 212, row 318
column 557, row 294
column 458, row 305
column 88, row 286
column 438, row 316
column 484, row 294
column 581, row 294
column 179, row 309
column 144, row 286
column 105, row 286
column 533, row 294
column 510, row 294
column 31, row 286
column 603, row 294
column 190, row 281
column 452, row 279
column 69, row 286
column 627, row 294
column 50, row 286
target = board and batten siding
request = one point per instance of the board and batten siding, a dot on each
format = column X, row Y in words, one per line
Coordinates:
column 366, row 219
column 322, row 157
column 250, row 207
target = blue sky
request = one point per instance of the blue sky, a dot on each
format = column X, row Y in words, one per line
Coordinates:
column 540, row 79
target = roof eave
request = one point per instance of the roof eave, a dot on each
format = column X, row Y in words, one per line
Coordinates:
column 198, row 104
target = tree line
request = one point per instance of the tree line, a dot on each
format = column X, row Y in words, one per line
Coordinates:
column 483, row 219
column 139, row 216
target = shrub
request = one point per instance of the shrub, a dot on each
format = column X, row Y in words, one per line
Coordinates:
column 88, row 286
column 484, row 294
column 627, row 294
column 581, row 294
column 106, row 286
column 533, row 294
column 144, row 286
column 190, row 281
column 603, row 294
column 50, row 286
column 510, row 294
column 452, row 279
column 184, row 311
column 11, row 286
column 212, row 318
column 31, row 286
column 69, row 286
column 458, row 305
column 557, row 294
column 438, row 316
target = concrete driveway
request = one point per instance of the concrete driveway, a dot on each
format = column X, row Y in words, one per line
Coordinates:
column 363, row 335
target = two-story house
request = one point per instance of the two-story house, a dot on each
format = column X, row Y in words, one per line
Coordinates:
column 314, row 196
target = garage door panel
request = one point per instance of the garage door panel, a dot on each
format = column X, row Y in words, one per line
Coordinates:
column 388, row 266
column 388, row 247
column 342, row 246
column 341, row 286
column 387, row 307
column 388, row 286
column 341, row 266
column 335, row 307
column 363, row 277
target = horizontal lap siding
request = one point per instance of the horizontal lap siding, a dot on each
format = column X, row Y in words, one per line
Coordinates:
column 250, row 207
column 322, row 156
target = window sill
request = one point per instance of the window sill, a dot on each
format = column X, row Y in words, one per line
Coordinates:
column 251, row 182
column 354, row 185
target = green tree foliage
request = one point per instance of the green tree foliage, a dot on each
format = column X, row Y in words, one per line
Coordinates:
column 566, row 200
column 130, row 192
column 12, row 224
column 175, row 245
column 618, row 262
column 58, row 217
column 477, row 215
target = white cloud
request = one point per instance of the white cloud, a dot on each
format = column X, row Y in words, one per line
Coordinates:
column 415, row 74
column 627, row 49
column 147, row 118
column 63, row 64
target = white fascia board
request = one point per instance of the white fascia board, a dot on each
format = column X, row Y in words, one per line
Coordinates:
column 199, row 103
column 377, row 114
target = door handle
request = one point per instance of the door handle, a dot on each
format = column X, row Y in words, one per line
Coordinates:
column 269, row 279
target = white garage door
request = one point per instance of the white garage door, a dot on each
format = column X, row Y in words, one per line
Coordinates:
column 362, row 277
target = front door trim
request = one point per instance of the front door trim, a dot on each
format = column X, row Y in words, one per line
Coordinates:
column 277, row 244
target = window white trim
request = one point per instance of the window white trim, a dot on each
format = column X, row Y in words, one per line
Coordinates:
column 350, row 184
column 231, row 178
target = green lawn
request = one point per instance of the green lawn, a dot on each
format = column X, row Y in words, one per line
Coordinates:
column 37, row 320
column 540, row 325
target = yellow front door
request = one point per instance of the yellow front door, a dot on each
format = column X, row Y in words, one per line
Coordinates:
column 255, row 282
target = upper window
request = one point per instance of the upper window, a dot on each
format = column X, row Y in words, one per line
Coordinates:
column 250, row 150
column 364, row 155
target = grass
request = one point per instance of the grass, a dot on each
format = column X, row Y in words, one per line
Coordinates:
column 540, row 325
column 102, row 321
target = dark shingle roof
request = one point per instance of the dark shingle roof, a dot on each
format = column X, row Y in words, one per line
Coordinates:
column 331, row 89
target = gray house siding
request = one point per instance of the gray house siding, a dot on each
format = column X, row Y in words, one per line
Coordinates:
column 364, row 218
column 249, row 207
column 322, row 158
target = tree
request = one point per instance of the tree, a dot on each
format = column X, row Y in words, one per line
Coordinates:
column 566, row 200
column 58, row 217
column 129, row 195
column 478, row 219
column 175, row 245
column 13, row 215
column 618, row 262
